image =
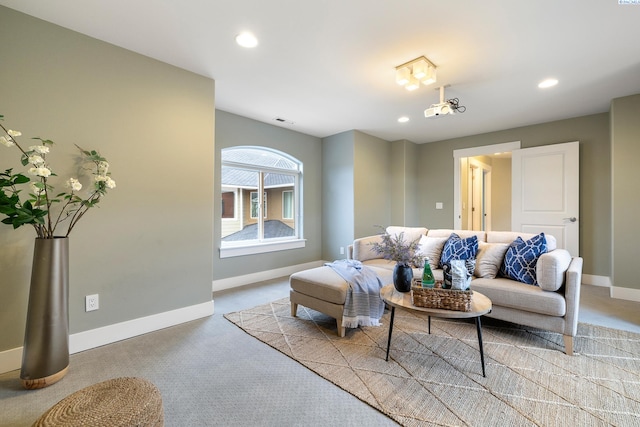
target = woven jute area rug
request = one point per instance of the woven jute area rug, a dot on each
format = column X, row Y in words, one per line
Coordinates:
column 437, row 379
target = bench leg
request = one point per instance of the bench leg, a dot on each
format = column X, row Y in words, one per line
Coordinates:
column 294, row 309
column 568, row 345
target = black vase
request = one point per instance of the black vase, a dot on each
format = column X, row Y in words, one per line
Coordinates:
column 402, row 276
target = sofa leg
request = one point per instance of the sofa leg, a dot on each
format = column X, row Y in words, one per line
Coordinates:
column 341, row 331
column 294, row 309
column 568, row 345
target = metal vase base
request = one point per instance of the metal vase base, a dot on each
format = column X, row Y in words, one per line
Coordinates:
column 45, row 354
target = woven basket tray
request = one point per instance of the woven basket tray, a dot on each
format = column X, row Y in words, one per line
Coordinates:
column 446, row 299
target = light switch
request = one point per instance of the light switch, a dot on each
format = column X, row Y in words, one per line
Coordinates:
column 438, row 205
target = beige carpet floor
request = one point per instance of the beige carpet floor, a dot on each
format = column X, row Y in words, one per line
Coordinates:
column 437, row 379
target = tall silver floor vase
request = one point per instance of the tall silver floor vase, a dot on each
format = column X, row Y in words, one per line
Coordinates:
column 45, row 357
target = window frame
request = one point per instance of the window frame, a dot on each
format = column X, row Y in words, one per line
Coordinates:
column 257, row 246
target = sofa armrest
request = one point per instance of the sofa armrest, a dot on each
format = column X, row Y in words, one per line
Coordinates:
column 350, row 252
column 551, row 269
column 572, row 295
column 363, row 249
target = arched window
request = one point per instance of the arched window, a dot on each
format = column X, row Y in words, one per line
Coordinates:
column 261, row 201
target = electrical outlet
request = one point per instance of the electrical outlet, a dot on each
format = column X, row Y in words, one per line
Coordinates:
column 91, row 302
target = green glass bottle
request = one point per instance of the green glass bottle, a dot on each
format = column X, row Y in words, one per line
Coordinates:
column 427, row 276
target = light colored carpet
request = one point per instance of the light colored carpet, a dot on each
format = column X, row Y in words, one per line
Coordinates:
column 437, row 379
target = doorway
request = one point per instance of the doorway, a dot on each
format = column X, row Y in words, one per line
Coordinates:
column 462, row 205
column 478, row 195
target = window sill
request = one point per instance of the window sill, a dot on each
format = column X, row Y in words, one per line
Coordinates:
column 260, row 248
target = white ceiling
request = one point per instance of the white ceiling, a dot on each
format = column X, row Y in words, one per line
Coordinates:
column 329, row 65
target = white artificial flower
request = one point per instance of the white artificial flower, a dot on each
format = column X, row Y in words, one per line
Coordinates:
column 74, row 184
column 36, row 190
column 100, row 178
column 103, row 167
column 6, row 142
column 110, row 183
column 36, row 160
column 14, row 132
column 42, row 171
column 40, row 149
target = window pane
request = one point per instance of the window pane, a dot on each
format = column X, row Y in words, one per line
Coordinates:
column 258, row 157
column 242, row 170
column 254, row 205
column 228, row 204
column 240, row 226
column 287, row 204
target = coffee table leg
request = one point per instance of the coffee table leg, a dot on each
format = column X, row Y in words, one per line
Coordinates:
column 429, row 325
column 479, row 328
column 393, row 312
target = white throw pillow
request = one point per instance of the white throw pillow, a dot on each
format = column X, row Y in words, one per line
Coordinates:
column 431, row 247
column 489, row 259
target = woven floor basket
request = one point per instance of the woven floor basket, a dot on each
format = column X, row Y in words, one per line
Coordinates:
column 116, row 402
column 446, row 299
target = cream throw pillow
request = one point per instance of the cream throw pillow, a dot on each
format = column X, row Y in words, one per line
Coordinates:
column 489, row 259
column 431, row 247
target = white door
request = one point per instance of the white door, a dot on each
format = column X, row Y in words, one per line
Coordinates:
column 545, row 192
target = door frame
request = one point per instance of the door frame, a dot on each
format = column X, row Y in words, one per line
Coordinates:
column 481, row 188
column 458, row 155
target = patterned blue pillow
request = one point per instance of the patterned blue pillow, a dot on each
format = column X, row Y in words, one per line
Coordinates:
column 458, row 248
column 521, row 259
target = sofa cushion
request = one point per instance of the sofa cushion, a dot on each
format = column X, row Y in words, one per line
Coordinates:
column 445, row 232
column 411, row 234
column 363, row 248
column 510, row 236
column 551, row 269
column 458, row 248
column 509, row 293
column 521, row 258
column 380, row 263
column 431, row 247
column 320, row 282
column 489, row 259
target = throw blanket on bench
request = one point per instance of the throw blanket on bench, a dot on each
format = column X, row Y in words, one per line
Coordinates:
column 363, row 305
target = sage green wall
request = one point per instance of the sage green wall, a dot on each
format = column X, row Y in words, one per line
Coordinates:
column 147, row 249
column 337, row 195
column 501, row 185
column 232, row 130
column 625, row 152
column 595, row 178
column 404, row 183
column 372, row 184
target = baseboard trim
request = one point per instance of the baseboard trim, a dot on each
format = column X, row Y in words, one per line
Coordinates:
column 589, row 279
column 11, row 360
column 628, row 294
column 237, row 281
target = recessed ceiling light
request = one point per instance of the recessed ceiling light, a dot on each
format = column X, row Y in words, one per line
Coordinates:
column 246, row 40
column 403, row 119
column 547, row 83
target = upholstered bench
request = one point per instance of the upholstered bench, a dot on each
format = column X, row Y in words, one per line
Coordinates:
column 324, row 290
column 127, row 401
column 320, row 289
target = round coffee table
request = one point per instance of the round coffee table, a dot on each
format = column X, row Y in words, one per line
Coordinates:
column 480, row 305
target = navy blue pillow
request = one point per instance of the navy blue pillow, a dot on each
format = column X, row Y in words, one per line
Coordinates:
column 521, row 259
column 458, row 248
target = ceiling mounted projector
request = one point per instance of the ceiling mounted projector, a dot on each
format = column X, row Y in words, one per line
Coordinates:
column 438, row 109
column 450, row 106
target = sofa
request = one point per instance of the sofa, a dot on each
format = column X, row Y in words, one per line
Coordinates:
column 551, row 304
